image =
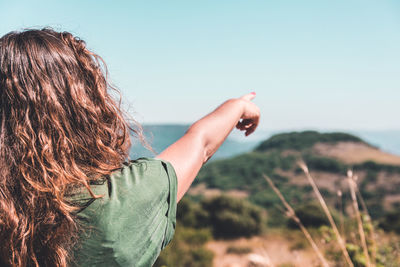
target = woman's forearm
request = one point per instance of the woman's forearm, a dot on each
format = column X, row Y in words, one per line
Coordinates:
column 214, row 128
column 205, row 136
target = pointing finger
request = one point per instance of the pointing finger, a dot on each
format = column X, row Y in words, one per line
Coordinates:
column 249, row 97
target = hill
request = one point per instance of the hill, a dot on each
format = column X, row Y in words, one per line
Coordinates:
column 328, row 156
column 231, row 216
column 304, row 140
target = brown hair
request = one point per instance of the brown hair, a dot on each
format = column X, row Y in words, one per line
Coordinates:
column 59, row 127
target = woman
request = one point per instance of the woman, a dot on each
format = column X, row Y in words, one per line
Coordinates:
column 67, row 194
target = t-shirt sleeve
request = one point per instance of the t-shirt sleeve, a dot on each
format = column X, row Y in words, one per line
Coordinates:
column 142, row 211
column 173, row 187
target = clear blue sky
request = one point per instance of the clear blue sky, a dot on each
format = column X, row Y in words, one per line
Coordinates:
column 314, row 64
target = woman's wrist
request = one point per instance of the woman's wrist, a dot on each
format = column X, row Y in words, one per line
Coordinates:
column 239, row 105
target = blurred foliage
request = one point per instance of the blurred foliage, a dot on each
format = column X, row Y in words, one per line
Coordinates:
column 187, row 249
column 232, row 217
column 227, row 217
column 286, row 264
column 244, row 171
column 391, row 221
column 377, row 167
column 311, row 215
column 326, row 164
column 239, row 250
column 198, row 222
column 192, row 214
column 386, row 253
column 304, row 140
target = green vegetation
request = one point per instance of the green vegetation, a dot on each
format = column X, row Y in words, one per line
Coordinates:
column 238, row 250
column 319, row 163
column 197, row 223
column 232, row 217
column 201, row 219
column 227, row 217
column 192, row 214
column 311, row 215
column 245, row 171
column 187, row 249
column 391, row 221
column 304, row 140
column 386, row 253
column 373, row 166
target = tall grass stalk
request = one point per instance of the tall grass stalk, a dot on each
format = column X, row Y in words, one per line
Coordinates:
column 321, row 200
column 359, row 196
column 291, row 214
column 340, row 196
column 352, row 186
column 369, row 221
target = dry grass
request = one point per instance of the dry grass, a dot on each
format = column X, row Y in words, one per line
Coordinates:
column 291, row 214
column 321, row 200
column 352, row 186
column 273, row 246
column 350, row 152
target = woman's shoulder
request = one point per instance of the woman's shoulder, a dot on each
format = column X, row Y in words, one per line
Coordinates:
column 143, row 171
column 138, row 182
column 137, row 212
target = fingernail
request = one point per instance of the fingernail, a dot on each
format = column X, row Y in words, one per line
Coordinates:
column 253, row 93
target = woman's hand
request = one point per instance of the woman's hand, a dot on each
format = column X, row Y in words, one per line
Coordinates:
column 251, row 115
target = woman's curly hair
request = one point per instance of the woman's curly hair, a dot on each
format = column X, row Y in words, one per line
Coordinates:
column 59, row 128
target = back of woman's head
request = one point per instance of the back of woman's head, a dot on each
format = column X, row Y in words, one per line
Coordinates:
column 59, row 128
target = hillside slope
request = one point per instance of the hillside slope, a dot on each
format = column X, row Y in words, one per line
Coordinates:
column 328, row 156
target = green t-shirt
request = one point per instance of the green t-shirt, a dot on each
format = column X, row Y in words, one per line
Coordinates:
column 133, row 221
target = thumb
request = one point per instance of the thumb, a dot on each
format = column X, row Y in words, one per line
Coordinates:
column 249, row 97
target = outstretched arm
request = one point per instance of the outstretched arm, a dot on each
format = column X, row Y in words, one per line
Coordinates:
column 205, row 136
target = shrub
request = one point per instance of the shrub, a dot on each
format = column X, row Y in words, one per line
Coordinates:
column 232, row 217
column 238, row 250
column 325, row 164
column 201, row 257
column 265, row 198
column 196, row 237
column 187, row 249
column 391, row 221
column 374, row 166
column 311, row 215
column 191, row 214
